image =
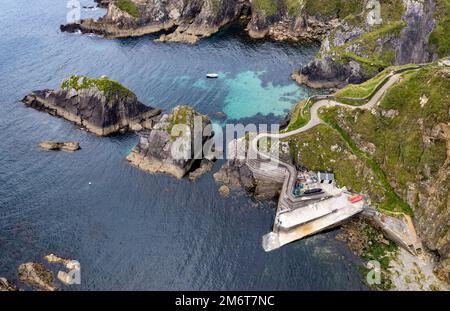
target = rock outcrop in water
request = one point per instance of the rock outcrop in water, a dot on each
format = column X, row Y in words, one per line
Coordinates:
column 102, row 106
column 407, row 139
column 72, row 266
column 35, row 274
column 191, row 20
column 6, row 286
column 171, row 145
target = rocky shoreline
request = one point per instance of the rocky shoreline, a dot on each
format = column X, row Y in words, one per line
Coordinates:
column 38, row 277
column 189, row 21
column 354, row 47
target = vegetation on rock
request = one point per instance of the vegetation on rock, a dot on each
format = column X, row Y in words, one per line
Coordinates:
column 268, row 7
column 129, row 7
column 388, row 143
column 440, row 37
column 109, row 87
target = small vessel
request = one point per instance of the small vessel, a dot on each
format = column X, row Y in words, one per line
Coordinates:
column 356, row 198
column 312, row 191
column 212, row 75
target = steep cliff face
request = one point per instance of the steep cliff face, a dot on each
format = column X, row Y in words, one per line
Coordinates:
column 102, row 106
column 190, row 20
column 385, row 32
column 359, row 37
column 398, row 153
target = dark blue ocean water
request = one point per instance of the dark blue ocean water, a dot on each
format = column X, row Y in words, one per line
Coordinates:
column 131, row 230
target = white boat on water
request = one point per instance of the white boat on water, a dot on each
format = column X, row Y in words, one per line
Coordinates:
column 212, row 75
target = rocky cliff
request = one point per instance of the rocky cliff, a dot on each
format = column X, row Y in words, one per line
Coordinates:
column 383, row 33
column 359, row 37
column 174, row 143
column 398, row 153
column 102, row 106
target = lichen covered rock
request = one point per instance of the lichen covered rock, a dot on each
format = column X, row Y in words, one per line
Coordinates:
column 6, row 286
column 171, row 145
column 102, row 106
column 56, row 146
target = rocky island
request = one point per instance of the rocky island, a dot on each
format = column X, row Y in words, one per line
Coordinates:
column 165, row 149
column 102, row 106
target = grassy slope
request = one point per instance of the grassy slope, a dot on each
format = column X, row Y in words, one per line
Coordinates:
column 129, row 7
column 367, row 53
column 440, row 37
column 333, row 8
column 109, row 87
column 400, row 153
column 400, row 150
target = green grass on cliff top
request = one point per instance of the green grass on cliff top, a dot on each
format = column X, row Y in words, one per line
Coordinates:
column 333, row 8
column 268, row 7
column 440, row 37
column 129, row 7
column 368, row 53
column 108, row 87
column 401, row 157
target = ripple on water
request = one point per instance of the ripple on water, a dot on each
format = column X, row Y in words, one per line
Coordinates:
column 248, row 96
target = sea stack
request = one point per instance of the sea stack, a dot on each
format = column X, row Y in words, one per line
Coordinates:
column 102, row 106
column 169, row 146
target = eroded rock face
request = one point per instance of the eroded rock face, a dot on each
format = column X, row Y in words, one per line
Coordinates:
column 190, row 20
column 56, row 146
column 102, row 106
column 35, row 274
column 170, row 145
column 205, row 167
column 235, row 174
column 71, row 265
column 6, row 286
column 357, row 49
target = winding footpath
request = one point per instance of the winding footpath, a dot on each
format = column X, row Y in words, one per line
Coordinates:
column 267, row 165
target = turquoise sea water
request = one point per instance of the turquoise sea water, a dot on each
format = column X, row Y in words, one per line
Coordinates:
column 248, row 95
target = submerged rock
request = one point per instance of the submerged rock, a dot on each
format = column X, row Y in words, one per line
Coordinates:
column 169, row 146
column 224, row 191
column 102, row 106
column 56, row 146
column 6, row 286
column 35, row 274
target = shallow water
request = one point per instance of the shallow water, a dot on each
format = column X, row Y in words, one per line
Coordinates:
column 132, row 230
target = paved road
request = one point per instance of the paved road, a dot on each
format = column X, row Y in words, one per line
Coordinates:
column 315, row 119
column 286, row 196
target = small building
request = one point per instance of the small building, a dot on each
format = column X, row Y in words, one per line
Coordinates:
column 325, row 177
